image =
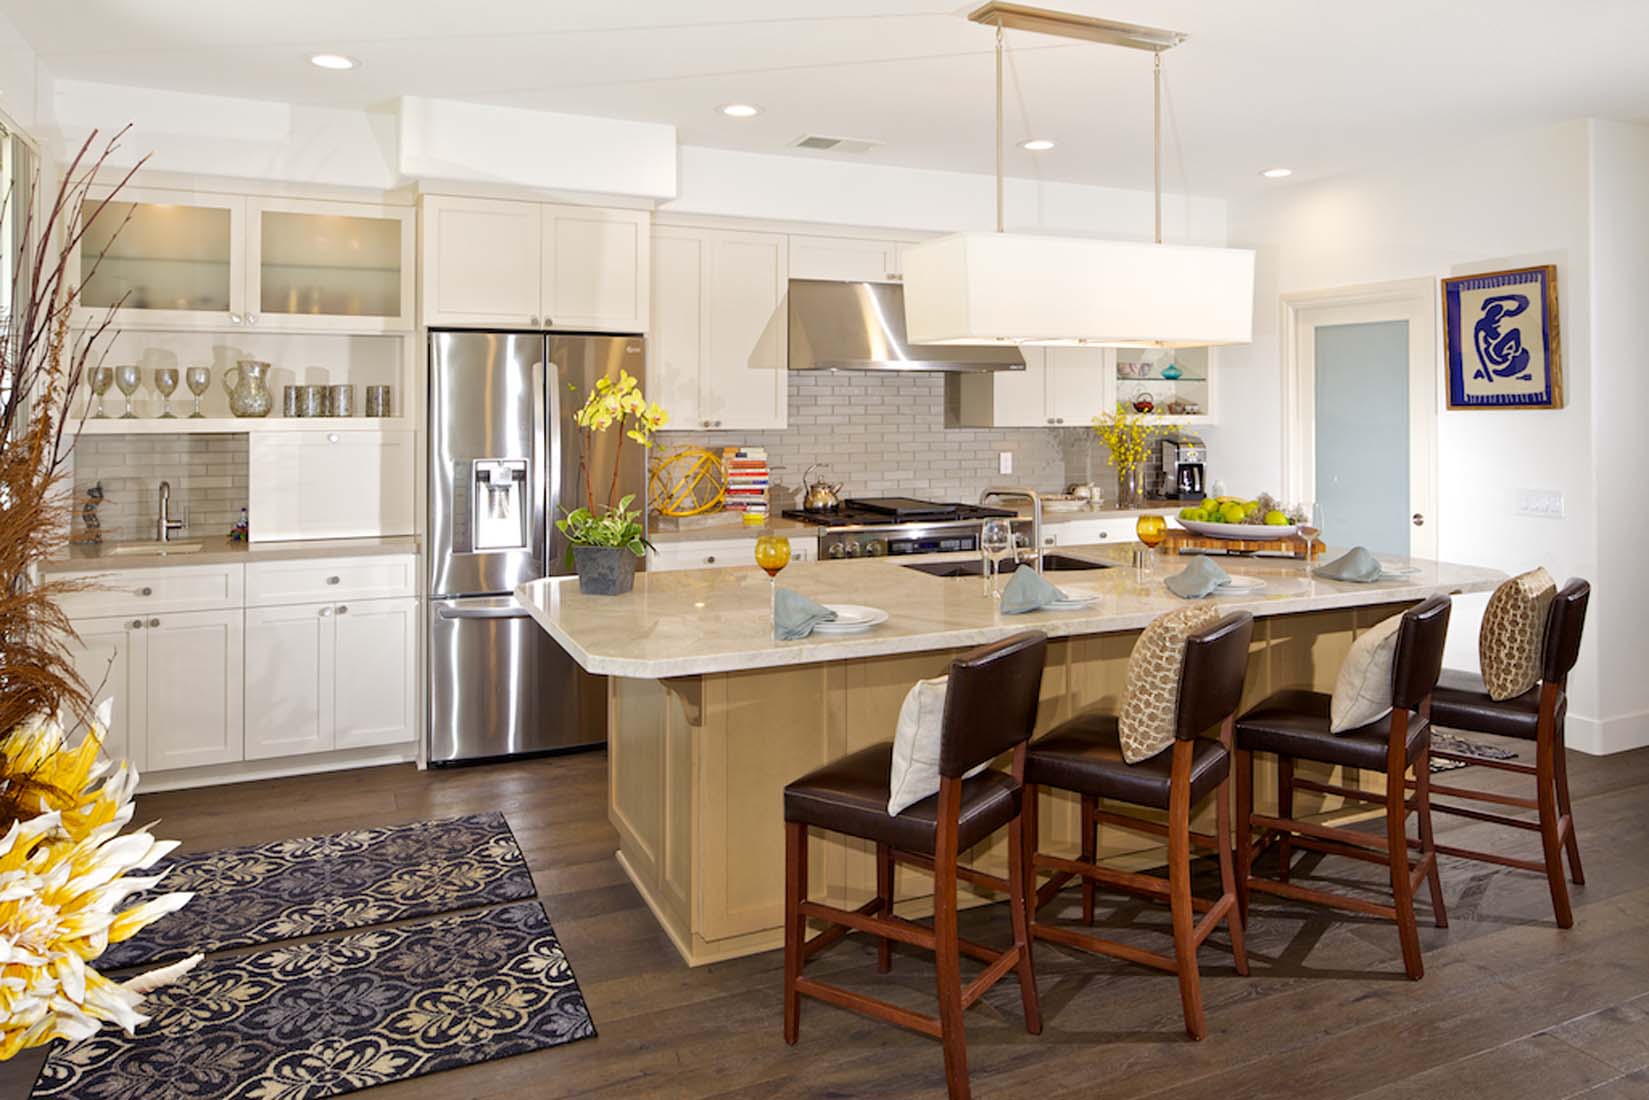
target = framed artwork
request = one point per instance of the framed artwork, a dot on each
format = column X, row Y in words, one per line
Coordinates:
column 1501, row 340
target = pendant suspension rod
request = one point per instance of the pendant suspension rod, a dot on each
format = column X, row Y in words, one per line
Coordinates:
column 1156, row 139
column 1000, row 154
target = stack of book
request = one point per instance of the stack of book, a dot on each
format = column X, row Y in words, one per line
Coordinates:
column 744, row 471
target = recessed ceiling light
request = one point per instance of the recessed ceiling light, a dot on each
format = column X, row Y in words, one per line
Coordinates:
column 1037, row 145
column 332, row 61
column 739, row 110
column 1277, row 173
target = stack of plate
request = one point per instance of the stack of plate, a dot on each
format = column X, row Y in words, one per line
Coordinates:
column 1075, row 598
column 1239, row 585
column 850, row 619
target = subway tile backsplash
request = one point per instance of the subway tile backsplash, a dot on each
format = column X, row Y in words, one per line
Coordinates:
column 208, row 474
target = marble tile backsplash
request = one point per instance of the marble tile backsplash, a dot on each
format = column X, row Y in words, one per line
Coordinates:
column 208, row 475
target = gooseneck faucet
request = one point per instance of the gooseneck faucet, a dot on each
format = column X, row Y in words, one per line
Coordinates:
column 165, row 524
column 1022, row 492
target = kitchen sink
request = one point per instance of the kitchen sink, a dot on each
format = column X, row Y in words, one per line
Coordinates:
column 1051, row 563
column 146, row 548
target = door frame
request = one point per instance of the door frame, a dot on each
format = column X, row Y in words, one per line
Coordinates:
column 1412, row 300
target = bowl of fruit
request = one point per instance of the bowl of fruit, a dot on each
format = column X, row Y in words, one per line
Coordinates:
column 1234, row 518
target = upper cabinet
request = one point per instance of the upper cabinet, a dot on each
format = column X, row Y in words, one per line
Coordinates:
column 534, row 265
column 847, row 259
column 1059, row 387
column 1177, row 382
column 719, row 347
column 165, row 259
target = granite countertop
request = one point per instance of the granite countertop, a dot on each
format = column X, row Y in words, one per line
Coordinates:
column 218, row 550
column 715, row 620
column 716, row 532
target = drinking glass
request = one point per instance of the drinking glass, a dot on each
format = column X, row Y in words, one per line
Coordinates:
column 1150, row 530
column 166, row 383
column 199, row 380
column 772, row 554
column 127, row 380
column 1310, row 527
column 995, row 540
column 102, row 378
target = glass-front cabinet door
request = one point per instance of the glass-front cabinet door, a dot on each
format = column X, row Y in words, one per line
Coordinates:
column 329, row 265
column 162, row 258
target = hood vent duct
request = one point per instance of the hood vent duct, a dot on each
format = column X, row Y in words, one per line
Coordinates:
column 861, row 326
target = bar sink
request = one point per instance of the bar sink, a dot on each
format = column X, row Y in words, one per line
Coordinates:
column 125, row 549
column 1051, row 563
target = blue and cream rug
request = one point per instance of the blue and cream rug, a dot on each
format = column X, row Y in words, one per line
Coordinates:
column 331, row 1016
column 290, row 889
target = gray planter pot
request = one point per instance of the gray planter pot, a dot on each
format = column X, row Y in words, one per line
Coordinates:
column 604, row 570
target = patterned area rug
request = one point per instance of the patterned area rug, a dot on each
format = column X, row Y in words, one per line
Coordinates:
column 328, row 1017
column 1450, row 743
column 295, row 888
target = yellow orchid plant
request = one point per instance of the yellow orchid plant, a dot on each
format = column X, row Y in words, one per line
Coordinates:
column 1127, row 437
column 65, row 872
column 613, row 403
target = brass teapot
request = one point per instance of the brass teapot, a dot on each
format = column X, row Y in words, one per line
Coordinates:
column 819, row 496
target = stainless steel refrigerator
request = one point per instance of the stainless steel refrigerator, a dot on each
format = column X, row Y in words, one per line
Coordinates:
column 503, row 464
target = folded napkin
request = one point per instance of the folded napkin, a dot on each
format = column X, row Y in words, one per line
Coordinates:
column 1198, row 579
column 795, row 616
column 1028, row 590
column 1356, row 564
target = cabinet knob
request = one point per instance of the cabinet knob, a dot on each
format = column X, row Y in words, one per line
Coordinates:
column 154, row 622
column 1419, row 520
column 325, row 611
column 234, row 318
column 710, row 559
column 251, row 318
column 137, row 624
column 332, row 437
column 343, row 609
column 332, row 580
column 1061, row 420
column 533, row 320
column 145, row 591
column 1105, row 534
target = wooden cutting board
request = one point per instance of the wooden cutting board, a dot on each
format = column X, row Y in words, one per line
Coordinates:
column 1293, row 546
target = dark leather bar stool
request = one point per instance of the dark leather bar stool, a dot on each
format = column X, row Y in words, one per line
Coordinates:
column 1295, row 726
column 1537, row 715
column 1084, row 756
column 990, row 708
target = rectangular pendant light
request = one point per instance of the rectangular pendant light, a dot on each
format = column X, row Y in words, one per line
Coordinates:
column 995, row 288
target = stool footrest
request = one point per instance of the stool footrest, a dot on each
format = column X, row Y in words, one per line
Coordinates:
column 1502, row 765
column 1479, row 815
column 1321, row 832
column 1127, row 881
column 1322, row 897
column 1054, row 933
column 1489, row 857
column 868, row 1006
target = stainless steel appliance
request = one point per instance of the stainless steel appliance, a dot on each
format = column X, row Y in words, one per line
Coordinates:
column 1183, row 464
column 875, row 527
column 503, row 463
column 861, row 326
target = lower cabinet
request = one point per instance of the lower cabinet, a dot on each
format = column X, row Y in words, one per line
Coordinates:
column 721, row 553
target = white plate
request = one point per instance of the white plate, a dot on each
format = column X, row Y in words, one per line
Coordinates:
column 1237, row 530
column 851, row 618
column 1398, row 570
column 1240, row 584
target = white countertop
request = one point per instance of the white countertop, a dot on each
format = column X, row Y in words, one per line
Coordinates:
column 218, row 550
column 716, row 620
column 716, row 532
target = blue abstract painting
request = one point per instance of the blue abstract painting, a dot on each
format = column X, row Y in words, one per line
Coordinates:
column 1502, row 340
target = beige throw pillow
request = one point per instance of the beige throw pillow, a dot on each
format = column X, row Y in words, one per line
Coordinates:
column 1362, row 690
column 1511, row 643
column 1150, row 702
column 915, row 772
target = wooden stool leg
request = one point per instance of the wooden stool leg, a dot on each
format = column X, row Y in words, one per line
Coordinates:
column 1242, row 762
column 1021, row 917
column 795, row 925
column 1090, row 842
column 1030, row 824
column 884, row 893
column 1228, row 885
column 1546, row 777
column 1422, row 807
column 1397, row 857
column 1285, row 810
column 1179, row 894
column 948, row 959
column 1560, row 767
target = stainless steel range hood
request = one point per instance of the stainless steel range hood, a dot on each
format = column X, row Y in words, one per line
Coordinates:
column 861, row 326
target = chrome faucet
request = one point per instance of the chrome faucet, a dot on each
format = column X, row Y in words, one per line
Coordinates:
column 1022, row 492
column 165, row 525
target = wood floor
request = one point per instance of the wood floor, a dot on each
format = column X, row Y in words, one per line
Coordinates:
column 1510, row 1008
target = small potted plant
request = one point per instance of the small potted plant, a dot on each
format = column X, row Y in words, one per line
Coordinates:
column 606, row 543
column 1127, row 437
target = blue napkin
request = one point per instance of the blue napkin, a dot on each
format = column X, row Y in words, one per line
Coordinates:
column 795, row 616
column 1028, row 591
column 1198, row 579
column 1356, row 564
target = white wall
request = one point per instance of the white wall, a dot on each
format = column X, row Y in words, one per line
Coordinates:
column 1515, row 200
column 25, row 83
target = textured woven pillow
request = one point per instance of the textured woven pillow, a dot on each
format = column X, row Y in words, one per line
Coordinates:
column 1150, row 702
column 1513, row 636
column 1362, row 689
column 915, row 772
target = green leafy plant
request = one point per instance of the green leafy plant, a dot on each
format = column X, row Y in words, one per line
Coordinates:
column 618, row 527
column 613, row 403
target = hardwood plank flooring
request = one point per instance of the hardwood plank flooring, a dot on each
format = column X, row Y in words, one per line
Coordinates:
column 1510, row 1006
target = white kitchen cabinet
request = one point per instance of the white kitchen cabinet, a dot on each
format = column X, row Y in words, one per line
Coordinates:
column 498, row 262
column 323, row 265
column 318, row 485
column 192, row 689
column 1084, row 532
column 848, row 259
column 719, row 344
column 722, row 553
column 375, row 673
column 1059, row 387
column 109, row 659
column 178, row 262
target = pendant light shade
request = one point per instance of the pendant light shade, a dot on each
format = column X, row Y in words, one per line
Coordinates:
column 991, row 288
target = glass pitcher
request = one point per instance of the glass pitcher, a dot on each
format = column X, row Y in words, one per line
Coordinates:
column 248, row 385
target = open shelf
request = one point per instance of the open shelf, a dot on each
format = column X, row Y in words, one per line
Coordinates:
column 149, row 425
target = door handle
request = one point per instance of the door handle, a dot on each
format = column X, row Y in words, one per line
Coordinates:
column 1419, row 520
column 484, row 613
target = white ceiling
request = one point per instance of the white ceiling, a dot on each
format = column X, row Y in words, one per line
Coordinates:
column 1321, row 86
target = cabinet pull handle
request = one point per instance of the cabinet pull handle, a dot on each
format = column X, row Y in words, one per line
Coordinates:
column 154, row 622
column 145, row 591
column 332, row 580
column 137, row 624
column 343, row 609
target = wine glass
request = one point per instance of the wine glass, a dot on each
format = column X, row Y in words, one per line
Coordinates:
column 772, row 554
column 127, row 379
column 995, row 540
column 166, row 383
column 199, row 380
column 1150, row 529
column 1311, row 525
column 102, row 378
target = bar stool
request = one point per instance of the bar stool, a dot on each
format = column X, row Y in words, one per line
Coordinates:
column 1295, row 726
column 990, row 708
column 1084, row 756
column 1537, row 715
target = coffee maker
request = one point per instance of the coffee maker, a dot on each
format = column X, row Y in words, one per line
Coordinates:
column 1183, row 461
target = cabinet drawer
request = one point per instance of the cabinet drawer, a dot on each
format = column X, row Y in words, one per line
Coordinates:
column 143, row 591
column 321, row 485
column 330, row 579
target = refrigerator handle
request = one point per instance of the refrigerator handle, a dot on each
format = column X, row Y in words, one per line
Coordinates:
column 515, row 612
column 549, row 496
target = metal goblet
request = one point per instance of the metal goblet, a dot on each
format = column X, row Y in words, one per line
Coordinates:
column 166, row 383
column 101, row 379
column 127, row 380
column 199, row 380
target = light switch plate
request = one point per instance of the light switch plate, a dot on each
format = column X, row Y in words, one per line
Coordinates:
column 1540, row 503
column 1004, row 462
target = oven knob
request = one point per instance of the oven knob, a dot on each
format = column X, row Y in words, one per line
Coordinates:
column 835, row 550
column 875, row 548
column 852, row 549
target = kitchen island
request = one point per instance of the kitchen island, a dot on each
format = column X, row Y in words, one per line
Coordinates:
column 709, row 718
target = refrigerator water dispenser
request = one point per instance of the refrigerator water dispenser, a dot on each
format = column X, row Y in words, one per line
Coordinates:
column 501, row 518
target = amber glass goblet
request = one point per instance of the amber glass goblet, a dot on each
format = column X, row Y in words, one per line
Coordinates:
column 772, row 554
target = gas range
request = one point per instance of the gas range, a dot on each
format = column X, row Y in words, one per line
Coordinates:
column 874, row 527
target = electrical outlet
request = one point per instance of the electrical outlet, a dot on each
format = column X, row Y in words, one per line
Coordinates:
column 1540, row 503
column 1004, row 462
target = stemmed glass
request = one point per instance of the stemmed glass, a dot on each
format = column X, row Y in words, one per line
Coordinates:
column 995, row 540
column 166, row 383
column 127, row 379
column 199, row 380
column 1310, row 527
column 1150, row 529
column 772, row 554
column 102, row 378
